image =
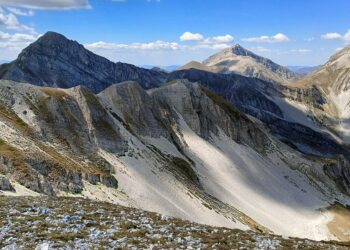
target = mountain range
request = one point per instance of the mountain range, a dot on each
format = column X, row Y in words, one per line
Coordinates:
column 303, row 70
column 247, row 144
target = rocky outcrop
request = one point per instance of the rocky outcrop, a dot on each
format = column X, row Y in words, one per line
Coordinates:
column 5, row 184
column 55, row 61
column 206, row 113
column 130, row 104
column 339, row 170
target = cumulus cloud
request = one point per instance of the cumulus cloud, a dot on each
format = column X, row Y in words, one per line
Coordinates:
column 46, row 4
column 337, row 36
column 188, row 36
column 218, row 39
column 300, row 51
column 278, row 38
column 201, row 42
column 157, row 45
column 19, row 12
column 9, row 21
column 12, row 44
column 331, row 36
column 17, row 37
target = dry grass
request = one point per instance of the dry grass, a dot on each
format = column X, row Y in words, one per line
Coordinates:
column 339, row 226
column 53, row 92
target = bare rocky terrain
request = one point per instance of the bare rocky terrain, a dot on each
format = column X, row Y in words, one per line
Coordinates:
column 74, row 223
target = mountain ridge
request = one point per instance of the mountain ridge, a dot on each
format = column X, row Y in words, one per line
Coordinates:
column 51, row 53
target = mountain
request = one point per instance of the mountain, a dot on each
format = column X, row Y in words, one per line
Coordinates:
column 167, row 68
column 332, row 80
column 220, row 149
column 197, row 65
column 158, row 150
column 237, row 59
column 303, row 70
column 273, row 104
column 53, row 60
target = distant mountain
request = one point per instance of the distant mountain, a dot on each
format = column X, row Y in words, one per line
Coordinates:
column 197, row 65
column 53, row 60
column 237, row 59
column 303, row 70
column 3, row 61
column 167, row 68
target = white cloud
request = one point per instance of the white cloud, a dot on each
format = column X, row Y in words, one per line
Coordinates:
column 218, row 39
column 157, row 45
column 9, row 21
column 300, row 51
column 279, row 37
column 331, row 36
column 12, row 44
column 46, row 4
column 337, row 36
column 260, row 49
column 17, row 37
column 19, row 12
column 188, row 36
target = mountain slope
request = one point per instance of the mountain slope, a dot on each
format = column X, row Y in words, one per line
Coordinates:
column 333, row 82
column 239, row 60
column 163, row 147
column 275, row 105
column 55, row 61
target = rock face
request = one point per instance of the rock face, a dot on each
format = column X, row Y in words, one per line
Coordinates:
column 55, row 61
column 5, row 184
column 262, row 100
column 239, row 60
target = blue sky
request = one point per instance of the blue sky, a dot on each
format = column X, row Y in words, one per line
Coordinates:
column 165, row 32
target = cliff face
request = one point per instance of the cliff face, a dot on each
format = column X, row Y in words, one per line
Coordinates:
column 56, row 61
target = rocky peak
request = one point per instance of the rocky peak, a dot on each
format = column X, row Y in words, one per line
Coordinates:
column 55, row 61
column 237, row 59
